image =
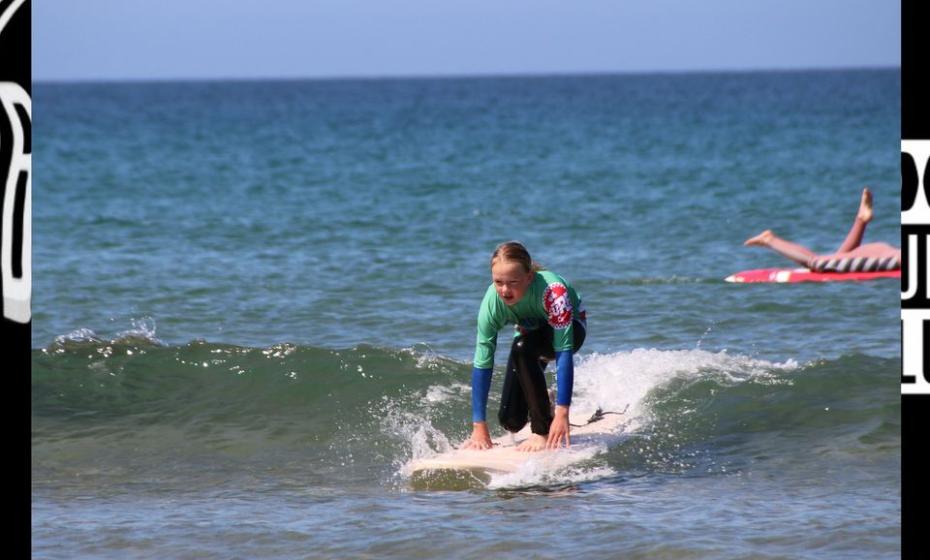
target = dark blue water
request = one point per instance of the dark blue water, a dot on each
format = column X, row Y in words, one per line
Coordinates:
column 254, row 302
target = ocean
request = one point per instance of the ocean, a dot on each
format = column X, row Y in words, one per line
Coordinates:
column 254, row 303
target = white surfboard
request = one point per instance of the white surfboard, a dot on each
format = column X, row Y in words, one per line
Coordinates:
column 471, row 468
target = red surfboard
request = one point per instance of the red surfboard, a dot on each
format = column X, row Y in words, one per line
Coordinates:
column 804, row 275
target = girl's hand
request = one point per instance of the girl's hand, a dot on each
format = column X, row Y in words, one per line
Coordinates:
column 480, row 438
column 559, row 429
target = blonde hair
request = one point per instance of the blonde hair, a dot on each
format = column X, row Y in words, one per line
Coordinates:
column 514, row 251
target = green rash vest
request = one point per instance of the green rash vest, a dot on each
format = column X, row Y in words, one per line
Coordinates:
column 549, row 299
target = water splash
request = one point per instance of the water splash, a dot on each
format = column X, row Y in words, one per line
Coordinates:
column 617, row 382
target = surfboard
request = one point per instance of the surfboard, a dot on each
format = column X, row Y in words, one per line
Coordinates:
column 789, row 275
column 471, row 468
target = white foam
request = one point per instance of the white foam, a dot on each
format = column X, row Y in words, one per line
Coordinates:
column 561, row 467
column 612, row 382
column 142, row 329
column 79, row 335
column 438, row 394
column 424, row 439
column 426, row 357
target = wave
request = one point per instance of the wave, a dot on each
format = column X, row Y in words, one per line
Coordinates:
column 80, row 374
column 686, row 411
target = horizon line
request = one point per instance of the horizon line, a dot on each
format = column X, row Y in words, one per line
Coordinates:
column 464, row 76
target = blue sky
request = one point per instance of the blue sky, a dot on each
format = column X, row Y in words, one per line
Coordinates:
column 192, row 39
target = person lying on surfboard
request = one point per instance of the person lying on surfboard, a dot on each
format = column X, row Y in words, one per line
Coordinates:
column 852, row 256
column 551, row 324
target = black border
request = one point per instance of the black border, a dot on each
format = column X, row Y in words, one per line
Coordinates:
column 16, row 343
column 915, row 125
column 16, row 338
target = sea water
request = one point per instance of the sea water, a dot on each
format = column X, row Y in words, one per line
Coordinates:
column 255, row 302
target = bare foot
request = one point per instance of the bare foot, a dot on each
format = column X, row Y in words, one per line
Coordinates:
column 535, row 442
column 865, row 206
column 761, row 240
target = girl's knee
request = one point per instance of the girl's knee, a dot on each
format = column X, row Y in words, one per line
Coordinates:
column 511, row 424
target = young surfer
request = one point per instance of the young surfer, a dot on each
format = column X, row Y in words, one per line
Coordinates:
column 550, row 325
column 852, row 256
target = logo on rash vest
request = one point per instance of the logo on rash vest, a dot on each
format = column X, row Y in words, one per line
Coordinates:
column 558, row 306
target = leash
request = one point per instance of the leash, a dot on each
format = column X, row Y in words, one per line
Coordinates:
column 598, row 415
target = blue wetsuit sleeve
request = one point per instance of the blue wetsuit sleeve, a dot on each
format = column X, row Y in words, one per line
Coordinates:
column 565, row 377
column 480, row 387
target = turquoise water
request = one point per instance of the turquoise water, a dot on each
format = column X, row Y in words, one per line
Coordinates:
column 254, row 303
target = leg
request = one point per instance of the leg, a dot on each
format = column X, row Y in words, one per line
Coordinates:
column 798, row 253
column 513, row 412
column 863, row 217
column 525, row 384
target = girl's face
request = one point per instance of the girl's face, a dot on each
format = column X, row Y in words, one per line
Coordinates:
column 510, row 280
